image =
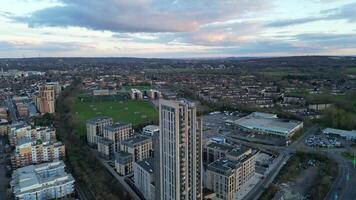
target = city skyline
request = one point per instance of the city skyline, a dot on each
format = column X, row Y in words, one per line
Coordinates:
column 176, row 29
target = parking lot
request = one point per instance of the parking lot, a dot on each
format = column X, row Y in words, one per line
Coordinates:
column 218, row 123
column 321, row 140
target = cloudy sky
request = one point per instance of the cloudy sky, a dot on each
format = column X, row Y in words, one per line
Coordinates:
column 177, row 28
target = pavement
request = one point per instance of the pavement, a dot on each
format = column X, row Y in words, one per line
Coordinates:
column 10, row 105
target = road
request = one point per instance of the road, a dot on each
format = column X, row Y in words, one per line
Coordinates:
column 342, row 188
column 13, row 113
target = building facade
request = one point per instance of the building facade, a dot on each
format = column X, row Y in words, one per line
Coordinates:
column 226, row 175
column 144, row 178
column 28, row 152
column 139, row 146
column 180, row 153
column 47, row 98
column 117, row 132
column 95, row 128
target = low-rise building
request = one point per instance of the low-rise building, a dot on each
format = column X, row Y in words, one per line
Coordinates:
column 153, row 94
column 349, row 135
column 144, row 177
column 136, row 94
column 43, row 181
column 267, row 123
column 150, row 130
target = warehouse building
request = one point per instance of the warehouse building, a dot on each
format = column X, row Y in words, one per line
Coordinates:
column 267, row 123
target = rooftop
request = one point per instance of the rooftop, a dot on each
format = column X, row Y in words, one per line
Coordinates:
column 98, row 119
column 267, row 122
column 36, row 177
column 151, row 127
column 117, row 126
column 340, row 132
column 137, row 140
column 147, row 164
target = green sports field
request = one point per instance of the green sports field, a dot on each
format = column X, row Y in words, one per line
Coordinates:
column 135, row 112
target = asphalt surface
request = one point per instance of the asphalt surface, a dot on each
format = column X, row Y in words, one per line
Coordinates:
column 11, row 106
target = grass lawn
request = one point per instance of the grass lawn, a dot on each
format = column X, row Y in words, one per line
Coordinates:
column 135, row 112
column 351, row 69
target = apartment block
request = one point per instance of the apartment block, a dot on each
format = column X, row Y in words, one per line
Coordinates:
column 95, row 128
column 180, row 160
column 43, row 181
column 139, row 146
column 123, row 162
column 144, row 178
column 226, row 175
column 23, row 130
column 117, row 132
column 46, row 99
column 28, row 152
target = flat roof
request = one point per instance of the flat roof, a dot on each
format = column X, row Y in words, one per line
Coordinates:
column 116, row 126
column 340, row 132
column 34, row 177
column 151, row 127
column 98, row 119
column 139, row 139
column 147, row 164
column 267, row 122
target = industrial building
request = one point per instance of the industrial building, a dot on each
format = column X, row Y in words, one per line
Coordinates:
column 349, row 135
column 43, row 181
column 268, row 124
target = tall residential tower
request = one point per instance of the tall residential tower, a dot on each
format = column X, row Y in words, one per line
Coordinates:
column 180, row 152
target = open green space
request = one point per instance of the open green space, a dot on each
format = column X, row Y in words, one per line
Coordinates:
column 351, row 69
column 135, row 112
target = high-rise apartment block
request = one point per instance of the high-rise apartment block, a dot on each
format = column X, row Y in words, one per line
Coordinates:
column 180, row 152
column 95, row 128
column 46, row 99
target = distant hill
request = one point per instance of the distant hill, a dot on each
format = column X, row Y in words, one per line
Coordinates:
column 137, row 63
